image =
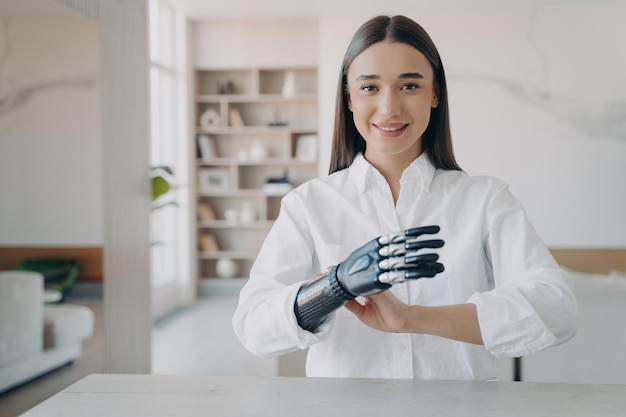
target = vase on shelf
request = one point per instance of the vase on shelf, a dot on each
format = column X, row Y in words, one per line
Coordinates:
column 247, row 213
column 257, row 152
column 225, row 268
column 289, row 85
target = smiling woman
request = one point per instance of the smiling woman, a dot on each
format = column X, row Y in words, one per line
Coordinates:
column 397, row 195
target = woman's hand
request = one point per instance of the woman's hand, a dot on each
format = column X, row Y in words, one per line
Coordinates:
column 383, row 311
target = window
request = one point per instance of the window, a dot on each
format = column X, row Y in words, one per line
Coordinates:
column 165, row 79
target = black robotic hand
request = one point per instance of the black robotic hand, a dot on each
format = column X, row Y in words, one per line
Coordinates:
column 372, row 268
column 389, row 259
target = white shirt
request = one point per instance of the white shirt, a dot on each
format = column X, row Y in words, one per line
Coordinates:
column 492, row 256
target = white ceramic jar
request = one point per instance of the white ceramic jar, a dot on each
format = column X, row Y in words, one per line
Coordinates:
column 226, row 268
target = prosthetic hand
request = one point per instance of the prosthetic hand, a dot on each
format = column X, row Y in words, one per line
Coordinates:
column 372, row 268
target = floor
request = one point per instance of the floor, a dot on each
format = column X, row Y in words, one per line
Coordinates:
column 200, row 340
column 195, row 340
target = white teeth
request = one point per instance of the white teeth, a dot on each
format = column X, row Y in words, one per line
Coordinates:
column 390, row 129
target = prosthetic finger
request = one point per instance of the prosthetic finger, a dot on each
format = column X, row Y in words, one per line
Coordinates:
column 409, row 267
column 400, row 237
column 423, row 270
column 427, row 270
column 398, row 249
column 421, row 244
column 406, row 262
column 414, row 259
column 424, row 230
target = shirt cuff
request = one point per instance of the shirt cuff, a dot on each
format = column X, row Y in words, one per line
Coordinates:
column 304, row 338
column 509, row 325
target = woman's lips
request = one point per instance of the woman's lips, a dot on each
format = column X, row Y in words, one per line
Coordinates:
column 391, row 130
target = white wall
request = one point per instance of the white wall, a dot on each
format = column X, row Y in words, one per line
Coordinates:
column 537, row 99
column 50, row 153
column 268, row 43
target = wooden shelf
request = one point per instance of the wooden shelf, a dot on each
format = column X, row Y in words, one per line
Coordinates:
column 256, row 96
column 266, row 162
column 257, row 130
column 223, row 224
column 228, row 254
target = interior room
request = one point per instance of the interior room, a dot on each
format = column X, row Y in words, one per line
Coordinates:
column 153, row 140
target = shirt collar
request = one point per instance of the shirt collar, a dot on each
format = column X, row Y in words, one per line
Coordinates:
column 426, row 169
column 358, row 171
column 360, row 168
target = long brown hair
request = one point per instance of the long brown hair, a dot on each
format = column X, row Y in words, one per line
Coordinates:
column 437, row 140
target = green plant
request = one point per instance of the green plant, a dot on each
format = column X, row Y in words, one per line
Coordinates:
column 162, row 178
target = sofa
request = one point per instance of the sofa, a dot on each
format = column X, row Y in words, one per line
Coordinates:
column 35, row 337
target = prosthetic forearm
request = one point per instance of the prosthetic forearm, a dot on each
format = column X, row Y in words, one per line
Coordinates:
column 373, row 268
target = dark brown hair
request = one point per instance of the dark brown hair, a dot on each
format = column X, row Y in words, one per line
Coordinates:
column 437, row 140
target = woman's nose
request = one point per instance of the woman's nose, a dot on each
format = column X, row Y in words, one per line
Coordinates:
column 389, row 104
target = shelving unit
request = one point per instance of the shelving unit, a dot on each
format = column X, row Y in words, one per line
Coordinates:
column 254, row 126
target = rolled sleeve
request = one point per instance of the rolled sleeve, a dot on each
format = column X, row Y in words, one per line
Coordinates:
column 532, row 306
column 509, row 324
column 275, row 331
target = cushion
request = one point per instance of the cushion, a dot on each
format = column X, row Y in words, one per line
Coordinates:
column 21, row 313
column 65, row 324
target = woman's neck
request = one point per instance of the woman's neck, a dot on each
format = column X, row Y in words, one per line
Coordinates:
column 392, row 167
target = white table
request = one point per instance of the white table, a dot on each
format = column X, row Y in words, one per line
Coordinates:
column 188, row 396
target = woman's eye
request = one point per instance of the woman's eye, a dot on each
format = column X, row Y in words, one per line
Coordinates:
column 368, row 88
column 410, row 87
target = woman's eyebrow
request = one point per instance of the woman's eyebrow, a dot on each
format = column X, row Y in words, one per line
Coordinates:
column 366, row 77
column 411, row 75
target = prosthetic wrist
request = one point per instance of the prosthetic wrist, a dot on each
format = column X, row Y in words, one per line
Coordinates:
column 372, row 268
column 316, row 300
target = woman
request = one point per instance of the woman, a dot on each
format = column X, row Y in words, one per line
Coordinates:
column 500, row 294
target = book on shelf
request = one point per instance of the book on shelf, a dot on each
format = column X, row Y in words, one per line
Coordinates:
column 206, row 148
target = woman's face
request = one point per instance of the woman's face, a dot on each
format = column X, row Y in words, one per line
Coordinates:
column 391, row 94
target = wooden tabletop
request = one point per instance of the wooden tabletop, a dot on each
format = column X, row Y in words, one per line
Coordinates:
column 190, row 396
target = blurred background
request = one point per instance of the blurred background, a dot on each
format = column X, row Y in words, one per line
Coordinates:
column 94, row 95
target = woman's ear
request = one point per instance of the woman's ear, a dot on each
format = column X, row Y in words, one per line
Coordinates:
column 434, row 103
